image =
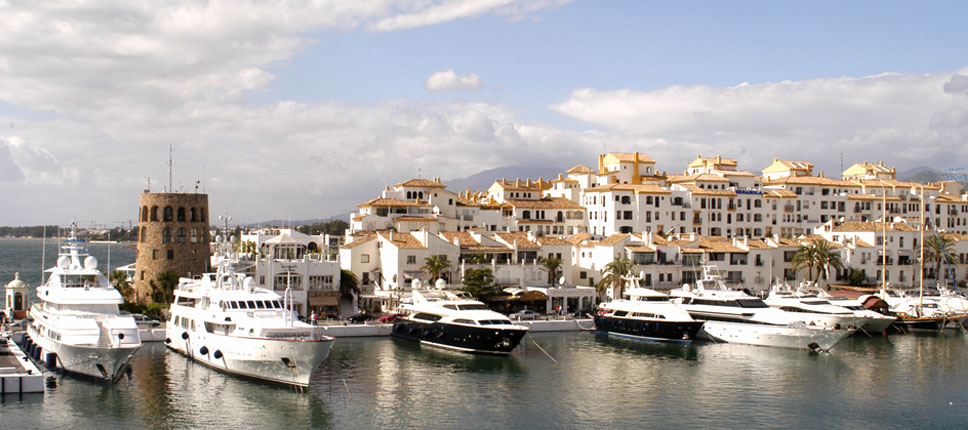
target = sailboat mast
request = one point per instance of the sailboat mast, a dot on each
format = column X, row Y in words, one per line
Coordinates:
column 921, row 242
column 884, row 241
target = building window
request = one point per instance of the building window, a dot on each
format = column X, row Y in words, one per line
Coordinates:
column 171, row 254
column 181, row 235
column 364, row 258
column 194, row 237
column 154, row 213
column 411, row 259
column 169, row 214
column 166, row 235
column 154, row 254
column 144, row 213
column 144, row 233
column 181, row 214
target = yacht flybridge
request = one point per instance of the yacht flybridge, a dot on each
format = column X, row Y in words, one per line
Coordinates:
column 224, row 321
column 76, row 325
column 449, row 320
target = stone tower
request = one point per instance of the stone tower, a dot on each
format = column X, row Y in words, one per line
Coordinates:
column 172, row 236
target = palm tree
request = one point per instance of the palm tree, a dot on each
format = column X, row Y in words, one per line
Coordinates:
column 552, row 264
column 939, row 249
column 348, row 282
column 817, row 254
column 613, row 275
column 435, row 265
column 121, row 283
column 826, row 258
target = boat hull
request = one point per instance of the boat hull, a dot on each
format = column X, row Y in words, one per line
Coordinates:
column 282, row 361
column 487, row 340
column 931, row 323
column 774, row 335
column 104, row 364
column 650, row 330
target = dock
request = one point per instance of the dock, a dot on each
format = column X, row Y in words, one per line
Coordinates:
column 383, row 329
column 17, row 373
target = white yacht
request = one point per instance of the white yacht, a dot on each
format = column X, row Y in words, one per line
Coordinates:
column 451, row 321
column 76, row 325
column 225, row 322
column 737, row 317
column 816, row 311
column 647, row 315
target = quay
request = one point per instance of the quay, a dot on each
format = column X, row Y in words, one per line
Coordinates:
column 17, row 373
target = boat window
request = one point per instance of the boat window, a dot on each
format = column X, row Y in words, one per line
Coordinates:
column 251, row 304
column 791, row 309
column 235, row 305
column 494, row 322
column 261, row 304
column 464, row 321
column 427, row 317
column 620, row 313
column 473, row 307
column 454, row 307
column 815, row 302
column 752, row 303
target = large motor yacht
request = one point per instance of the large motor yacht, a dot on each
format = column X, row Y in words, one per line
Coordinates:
column 224, row 321
column 447, row 320
column 647, row 315
column 76, row 325
column 737, row 317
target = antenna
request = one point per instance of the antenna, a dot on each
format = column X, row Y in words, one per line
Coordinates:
column 171, row 165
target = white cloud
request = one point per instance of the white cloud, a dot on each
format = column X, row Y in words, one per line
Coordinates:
column 447, row 80
column 428, row 13
column 910, row 118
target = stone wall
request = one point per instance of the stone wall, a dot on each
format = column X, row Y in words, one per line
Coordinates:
column 173, row 235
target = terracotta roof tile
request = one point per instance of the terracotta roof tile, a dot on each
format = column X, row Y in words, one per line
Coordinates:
column 422, row 183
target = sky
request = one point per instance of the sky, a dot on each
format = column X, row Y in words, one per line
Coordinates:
column 305, row 109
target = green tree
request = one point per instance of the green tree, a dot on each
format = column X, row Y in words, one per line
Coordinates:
column 435, row 265
column 817, row 254
column 613, row 275
column 856, row 277
column 552, row 264
column 121, row 283
column 348, row 282
column 480, row 284
column 937, row 249
column 163, row 288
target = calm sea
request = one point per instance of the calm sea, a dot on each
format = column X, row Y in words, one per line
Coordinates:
column 914, row 381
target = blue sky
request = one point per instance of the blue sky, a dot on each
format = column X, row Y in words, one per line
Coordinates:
column 303, row 111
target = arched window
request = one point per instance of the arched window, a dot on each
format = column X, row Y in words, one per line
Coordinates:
column 144, row 213
column 181, row 214
column 409, row 195
column 181, row 235
column 144, row 233
column 560, row 217
column 526, row 215
column 169, row 214
column 420, row 195
column 166, row 235
column 203, row 215
column 154, row 213
column 194, row 215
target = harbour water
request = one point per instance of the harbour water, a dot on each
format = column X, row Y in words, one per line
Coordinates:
column 594, row 381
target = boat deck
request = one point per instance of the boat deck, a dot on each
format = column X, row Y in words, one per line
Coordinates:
column 17, row 373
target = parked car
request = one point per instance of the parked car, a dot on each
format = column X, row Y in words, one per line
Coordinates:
column 143, row 320
column 526, row 314
column 358, row 318
column 391, row 318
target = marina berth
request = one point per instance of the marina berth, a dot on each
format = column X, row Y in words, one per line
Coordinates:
column 816, row 311
column 76, row 326
column 224, row 321
column 647, row 315
column 450, row 320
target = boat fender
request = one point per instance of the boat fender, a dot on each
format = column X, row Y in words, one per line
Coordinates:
column 51, row 360
column 167, row 340
column 185, row 335
column 203, row 350
column 217, row 354
column 120, row 336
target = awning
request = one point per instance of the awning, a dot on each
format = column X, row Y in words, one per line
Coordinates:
column 323, row 301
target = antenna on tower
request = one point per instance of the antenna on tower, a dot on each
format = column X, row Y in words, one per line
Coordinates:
column 171, row 165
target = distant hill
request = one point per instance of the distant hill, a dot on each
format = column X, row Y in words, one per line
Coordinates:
column 922, row 174
column 343, row 216
column 484, row 180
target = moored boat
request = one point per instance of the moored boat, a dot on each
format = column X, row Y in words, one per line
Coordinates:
column 647, row 315
column 224, row 321
column 446, row 320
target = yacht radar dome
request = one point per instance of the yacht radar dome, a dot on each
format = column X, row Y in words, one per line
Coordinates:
column 415, row 284
column 63, row 262
column 90, row 262
column 440, row 284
